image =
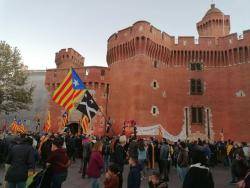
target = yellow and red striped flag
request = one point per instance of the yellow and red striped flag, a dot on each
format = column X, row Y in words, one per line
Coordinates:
column 69, row 90
column 85, row 124
column 47, row 124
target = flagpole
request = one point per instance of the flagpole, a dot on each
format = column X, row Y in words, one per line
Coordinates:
column 106, row 106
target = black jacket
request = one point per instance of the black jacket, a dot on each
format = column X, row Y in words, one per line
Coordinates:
column 21, row 158
column 119, row 155
column 198, row 176
column 134, row 177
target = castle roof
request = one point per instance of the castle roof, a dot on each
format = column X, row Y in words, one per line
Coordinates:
column 213, row 10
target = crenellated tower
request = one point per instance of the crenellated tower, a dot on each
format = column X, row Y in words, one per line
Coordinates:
column 214, row 24
column 67, row 58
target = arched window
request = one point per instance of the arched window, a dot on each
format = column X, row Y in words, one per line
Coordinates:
column 155, row 111
column 156, row 64
column 155, row 84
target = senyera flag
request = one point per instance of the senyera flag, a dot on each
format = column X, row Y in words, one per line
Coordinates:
column 69, row 90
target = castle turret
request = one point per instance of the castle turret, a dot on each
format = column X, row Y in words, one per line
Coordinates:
column 214, row 24
column 67, row 58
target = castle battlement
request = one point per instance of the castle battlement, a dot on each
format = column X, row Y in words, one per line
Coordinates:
column 69, row 58
column 139, row 29
column 143, row 38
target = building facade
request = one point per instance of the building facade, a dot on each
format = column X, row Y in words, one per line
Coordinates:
column 201, row 85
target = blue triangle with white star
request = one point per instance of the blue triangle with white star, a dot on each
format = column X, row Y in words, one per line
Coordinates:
column 76, row 81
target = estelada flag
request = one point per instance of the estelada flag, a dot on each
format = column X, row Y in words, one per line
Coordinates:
column 69, row 90
column 17, row 127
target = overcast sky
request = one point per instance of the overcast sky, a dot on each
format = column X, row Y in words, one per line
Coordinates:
column 39, row 28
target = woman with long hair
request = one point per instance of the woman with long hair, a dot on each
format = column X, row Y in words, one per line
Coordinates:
column 96, row 163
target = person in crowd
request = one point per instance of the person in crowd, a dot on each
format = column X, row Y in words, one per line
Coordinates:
column 182, row 161
column 111, row 177
column 164, row 159
column 71, row 143
column 150, row 153
column 134, row 176
column 229, row 148
column 175, row 154
column 120, row 157
column 198, row 175
column 213, row 159
column 142, row 157
column 133, row 148
column 45, row 148
column 21, row 160
column 59, row 161
column 96, row 164
column 106, row 153
column 245, row 183
column 156, row 182
column 86, row 151
column 246, row 151
column 207, row 152
column 239, row 165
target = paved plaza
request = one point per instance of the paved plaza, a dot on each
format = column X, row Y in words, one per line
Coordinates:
column 221, row 177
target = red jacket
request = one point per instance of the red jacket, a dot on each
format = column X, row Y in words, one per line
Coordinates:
column 59, row 161
column 95, row 165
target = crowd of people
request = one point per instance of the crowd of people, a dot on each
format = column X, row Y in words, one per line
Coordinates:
column 103, row 160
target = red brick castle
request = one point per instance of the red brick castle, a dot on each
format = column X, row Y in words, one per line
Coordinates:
column 154, row 78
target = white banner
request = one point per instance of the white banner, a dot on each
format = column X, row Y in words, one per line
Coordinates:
column 154, row 131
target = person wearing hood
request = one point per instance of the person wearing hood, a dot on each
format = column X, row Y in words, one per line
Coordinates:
column 198, row 174
column 59, row 162
column 182, row 161
column 134, row 176
column 21, row 160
